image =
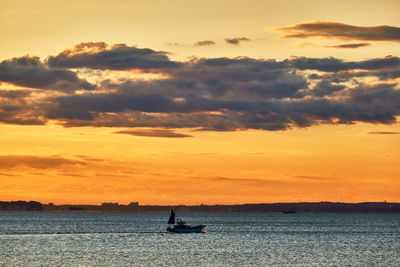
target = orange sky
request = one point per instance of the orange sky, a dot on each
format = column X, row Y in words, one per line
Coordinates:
column 181, row 123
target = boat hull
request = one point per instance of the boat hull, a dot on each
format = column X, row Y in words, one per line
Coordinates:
column 187, row 229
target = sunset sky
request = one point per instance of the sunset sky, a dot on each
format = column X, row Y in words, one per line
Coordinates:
column 190, row 102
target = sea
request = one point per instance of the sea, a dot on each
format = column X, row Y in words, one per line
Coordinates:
column 231, row 239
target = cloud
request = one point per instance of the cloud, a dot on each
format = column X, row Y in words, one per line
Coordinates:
column 334, row 65
column 70, row 174
column 341, row 31
column 236, row 40
column 218, row 94
column 31, row 72
column 21, row 117
column 242, row 180
column 36, row 162
column 204, row 43
column 313, row 177
column 7, row 174
column 375, row 104
column 14, row 94
column 348, row 46
column 384, row 132
column 344, row 75
column 154, row 133
column 238, row 78
column 99, row 55
column 325, row 88
column 230, row 94
column 15, row 108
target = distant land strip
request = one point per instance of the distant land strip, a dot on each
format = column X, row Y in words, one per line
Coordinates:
column 323, row 206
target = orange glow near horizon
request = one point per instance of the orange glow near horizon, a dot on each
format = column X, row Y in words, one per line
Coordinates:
column 289, row 166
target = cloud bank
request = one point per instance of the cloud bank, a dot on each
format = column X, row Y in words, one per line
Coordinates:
column 215, row 94
column 341, row 31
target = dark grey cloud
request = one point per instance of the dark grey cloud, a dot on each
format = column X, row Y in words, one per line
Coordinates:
column 204, row 43
column 326, row 87
column 119, row 102
column 341, row 31
column 375, row 104
column 36, row 162
column 349, row 46
column 331, row 64
column 239, row 78
column 218, row 94
column 202, row 86
column 203, row 80
column 236, row 40
column 15, row 108
column 342, row 76
column 14, row 94
column 20, row 116
column 31, row 72
column 165, row 133
column 99, row 55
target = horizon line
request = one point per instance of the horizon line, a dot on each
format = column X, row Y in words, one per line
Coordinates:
column 203, row 204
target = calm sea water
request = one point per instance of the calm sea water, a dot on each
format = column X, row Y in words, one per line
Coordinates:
column 232, row 239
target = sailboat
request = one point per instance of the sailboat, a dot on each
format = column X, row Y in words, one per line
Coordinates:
column 181, row 227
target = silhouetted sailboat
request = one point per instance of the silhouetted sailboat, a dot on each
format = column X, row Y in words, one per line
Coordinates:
column 181, row 227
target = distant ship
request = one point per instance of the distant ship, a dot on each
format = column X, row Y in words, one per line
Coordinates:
column 289, row 211
column 181, row 227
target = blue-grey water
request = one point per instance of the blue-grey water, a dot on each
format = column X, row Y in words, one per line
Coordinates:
column 232, row 239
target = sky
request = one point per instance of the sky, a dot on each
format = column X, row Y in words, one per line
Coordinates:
column 199, row 102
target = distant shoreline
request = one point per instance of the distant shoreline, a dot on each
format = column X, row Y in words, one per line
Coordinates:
column 380, row 207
